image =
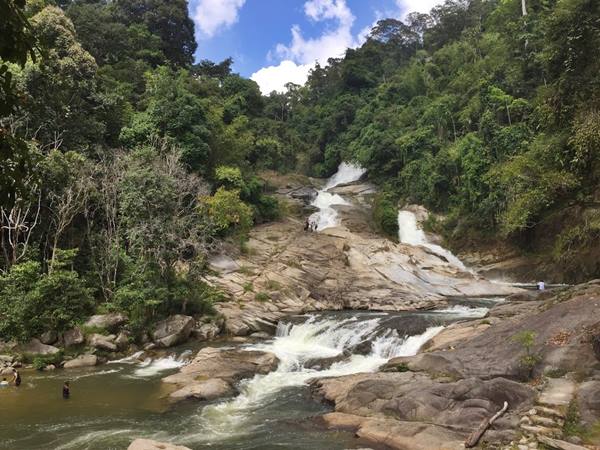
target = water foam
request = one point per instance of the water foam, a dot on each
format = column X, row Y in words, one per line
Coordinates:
column 327, row 216
column 150, row 367
column 465, row 311
column 295, row 345
column 410, row 233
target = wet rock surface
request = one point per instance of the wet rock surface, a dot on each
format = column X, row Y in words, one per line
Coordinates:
column 214, row 372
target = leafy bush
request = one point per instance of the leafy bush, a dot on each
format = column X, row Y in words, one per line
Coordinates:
column 529, row 359
column 32, row 302
column 385, row 213
column 262, row 297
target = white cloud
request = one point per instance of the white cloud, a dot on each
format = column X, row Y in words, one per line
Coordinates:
column 299, row 56
column 211, row 16
column 274, row 78
column 422, row 6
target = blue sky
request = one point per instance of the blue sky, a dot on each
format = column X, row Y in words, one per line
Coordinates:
column 275, row 41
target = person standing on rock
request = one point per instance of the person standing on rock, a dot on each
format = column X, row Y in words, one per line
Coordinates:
column 16, row 377
column 66, row 390
column 314, row 225
column 306, row 224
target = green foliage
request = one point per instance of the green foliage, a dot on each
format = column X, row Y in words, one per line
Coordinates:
column 262, row 297
column 32, row 302
column 227, row 212
column 40, row 362
column 385, row 213
column 529, row 359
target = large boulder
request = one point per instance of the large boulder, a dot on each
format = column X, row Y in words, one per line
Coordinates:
column 173, row 330
column 35, row 347
column 149, row 444
column 103, row 342
column 206, row 332
column 109, row 322
column 211, row 389
column 73, row 337
column 49, row 337
column 82, row 361
column 222, row 368
column 122, row 340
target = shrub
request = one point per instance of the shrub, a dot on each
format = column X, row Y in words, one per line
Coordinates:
column 529, row 359
column 32, row 302
column 262, row 297
column 385, row 214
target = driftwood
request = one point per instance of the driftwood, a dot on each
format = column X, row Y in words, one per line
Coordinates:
column 557, row 444
column 474, row 437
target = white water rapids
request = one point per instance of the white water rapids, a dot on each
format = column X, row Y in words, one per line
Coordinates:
column 410, row 233
column 295, row 345
column 327, row 216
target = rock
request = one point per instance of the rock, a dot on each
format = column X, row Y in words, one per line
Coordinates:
column 49, row 368
column 73, row 337
column 206, row 332
column 149, row 346
column 109, row 322
column 35, row 347
column 588, row 400
column 81, row 361
column 6, row 359
column 306, row 194
column 6, row 371
column 229, row 366
column 103, row 342
column 261, row 335
column 173, row 330
column 149, row 444
column 122, row 340
column 205, row 390
column 49, row 337
column 596, row 346
column 417, row 398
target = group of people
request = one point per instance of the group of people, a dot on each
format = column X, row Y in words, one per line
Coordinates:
column 310, row 225
column 16, row 380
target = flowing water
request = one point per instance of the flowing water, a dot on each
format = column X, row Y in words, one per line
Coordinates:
column 410, row 233
column 113, row 404
column 327, row 216
column 118, row 402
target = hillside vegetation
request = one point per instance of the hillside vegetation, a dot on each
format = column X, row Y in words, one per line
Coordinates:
column 124, row 163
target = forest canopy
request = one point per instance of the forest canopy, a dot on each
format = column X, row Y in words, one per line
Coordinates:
column 125, row 163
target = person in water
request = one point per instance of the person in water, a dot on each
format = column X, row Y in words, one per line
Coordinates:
column 16, row 377
column 66, row 390
column 541, row 285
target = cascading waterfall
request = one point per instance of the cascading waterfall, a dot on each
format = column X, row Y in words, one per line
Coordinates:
column 410, row 233
column 327, row 216
column 295, row 345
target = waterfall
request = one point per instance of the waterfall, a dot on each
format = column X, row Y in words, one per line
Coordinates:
column 327, row 216
column 410, row 233
column 295, row 345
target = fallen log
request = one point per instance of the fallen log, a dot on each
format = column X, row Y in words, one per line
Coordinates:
column 558, row 444
column 474, row 437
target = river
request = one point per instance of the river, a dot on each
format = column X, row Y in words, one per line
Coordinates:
column 117, row 402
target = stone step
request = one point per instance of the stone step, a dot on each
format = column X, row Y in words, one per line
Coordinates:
column 549, row 412
column 546, row 421
column 539, row 430
column 557, row 392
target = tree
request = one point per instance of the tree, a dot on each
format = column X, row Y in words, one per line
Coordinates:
column 167, row 19
column 17, row 43
column 32, row 302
